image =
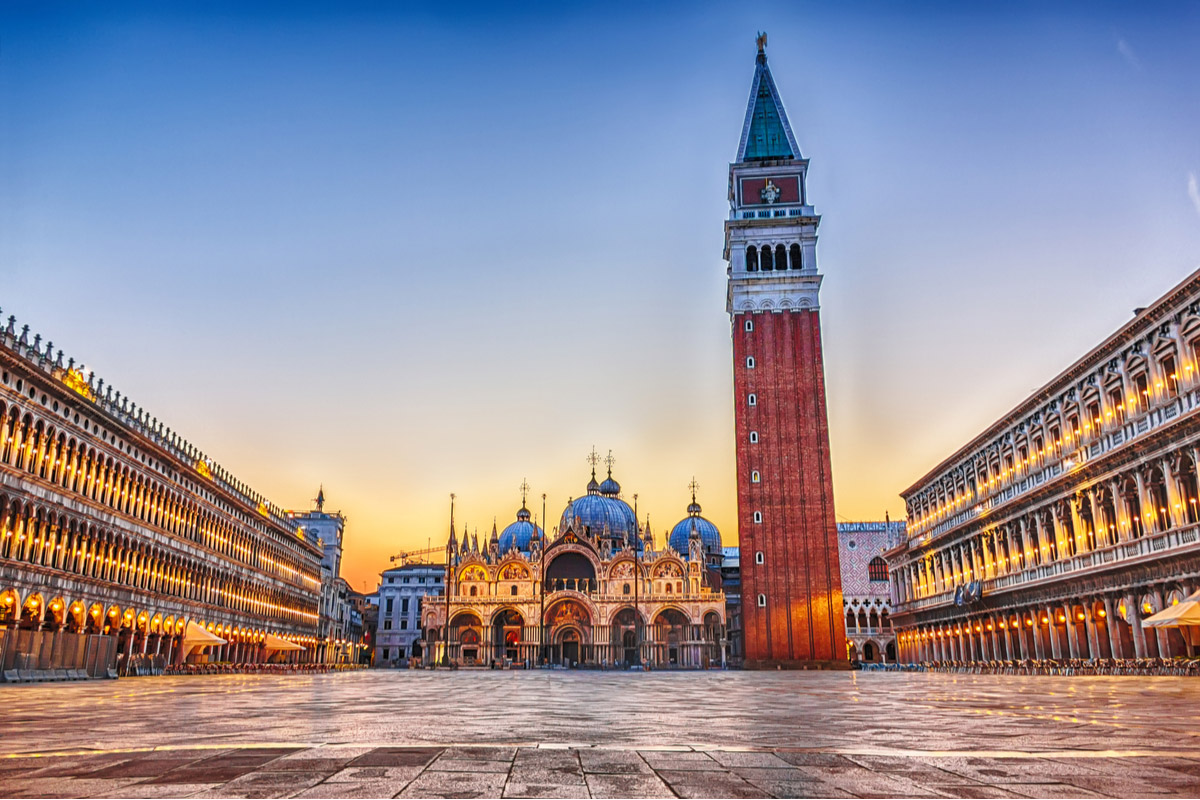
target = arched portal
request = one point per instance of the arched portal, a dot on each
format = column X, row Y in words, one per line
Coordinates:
column 670, row 634
column 506, row 634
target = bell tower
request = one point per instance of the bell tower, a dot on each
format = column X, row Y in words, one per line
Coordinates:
column 792, row 612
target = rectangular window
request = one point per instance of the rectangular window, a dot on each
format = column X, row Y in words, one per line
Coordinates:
column 386, row 654
column 404, row 606
column 387, row 624
column 403, row 624
column 1118, row 404
column 1142, row 385
column 388, row 612
column 1093, row 412
column 1170, row 378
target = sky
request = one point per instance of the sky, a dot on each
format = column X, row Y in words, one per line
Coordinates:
column 405, row 250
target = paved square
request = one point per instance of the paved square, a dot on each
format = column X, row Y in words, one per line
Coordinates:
column 603, row 734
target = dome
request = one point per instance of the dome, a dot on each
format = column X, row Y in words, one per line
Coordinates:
column 519, row 534
column 595, row 511
column 710, row 537
column 610, row 487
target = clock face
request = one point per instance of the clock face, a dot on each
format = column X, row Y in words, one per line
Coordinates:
column 770, row 193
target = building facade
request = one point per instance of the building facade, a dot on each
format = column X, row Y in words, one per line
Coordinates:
column 324, row 529
column 1056, row 531
column 791, row 593
column 404, row 593
column 116, row 534
column 866, row 590
column 596, row 592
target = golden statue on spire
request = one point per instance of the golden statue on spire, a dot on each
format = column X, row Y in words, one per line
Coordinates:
column 761, row 41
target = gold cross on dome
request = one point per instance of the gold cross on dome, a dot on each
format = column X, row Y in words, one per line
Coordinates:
column 524, row 490
column 609, row 461
column 695, row 487
column 593, row 458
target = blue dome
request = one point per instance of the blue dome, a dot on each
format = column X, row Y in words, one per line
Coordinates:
column 595, row 511
column 610, row 487
column 710, row 537
column 519, row 534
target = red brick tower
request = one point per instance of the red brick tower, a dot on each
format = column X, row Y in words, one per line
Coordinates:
column 791, row 585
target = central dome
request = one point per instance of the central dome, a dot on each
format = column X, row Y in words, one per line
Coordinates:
column 601, row 509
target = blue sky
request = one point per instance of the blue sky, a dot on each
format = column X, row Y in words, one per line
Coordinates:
column 406, row 251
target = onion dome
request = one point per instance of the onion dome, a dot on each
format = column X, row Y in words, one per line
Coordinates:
column 603, row 515
column 710, row 537
column 610, row 488
column 520, row 534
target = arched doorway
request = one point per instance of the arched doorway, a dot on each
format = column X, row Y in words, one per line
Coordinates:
column 627, row 636
column 870, row 652
column 465, row 637
column 570, row 626
column 506, row 634
column 670, row 627
column 570, row 643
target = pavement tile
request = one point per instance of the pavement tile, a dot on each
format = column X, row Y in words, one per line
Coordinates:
column 522, row 789
column 444, row 764
column 375, row 774
column 322, row 766
column 481, row 753
column 815, row 759
column 540, row 757
column 1053, row 790
column 566, row 775
column 613, row 786
column 355, row 789
column 396, row 757
column 723, row 786
column 153, row 791
column 455, row 784
column 64, row 787
column 141, row 768
column 729, row 758
column 680, row 761
column 975, row 790
column 613, row 762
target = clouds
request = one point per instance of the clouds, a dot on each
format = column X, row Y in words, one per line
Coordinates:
column 1126, row 52
column 1194, row 191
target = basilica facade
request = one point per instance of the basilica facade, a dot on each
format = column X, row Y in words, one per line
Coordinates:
column 596, row 592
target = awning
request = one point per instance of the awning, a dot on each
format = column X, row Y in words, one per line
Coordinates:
column 1178, row 615
column 273, row 642
column 197, row 636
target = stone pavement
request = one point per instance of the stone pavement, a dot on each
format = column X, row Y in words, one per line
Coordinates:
column 539, row 734
column 345, row 771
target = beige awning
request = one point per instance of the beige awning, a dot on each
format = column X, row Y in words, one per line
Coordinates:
column 273, row 642
column 197, row 636
column 1178, row 615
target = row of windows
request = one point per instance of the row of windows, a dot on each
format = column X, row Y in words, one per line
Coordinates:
column 766, row 258
column 38, row 448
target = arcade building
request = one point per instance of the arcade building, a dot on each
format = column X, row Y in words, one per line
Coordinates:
column 597, row 592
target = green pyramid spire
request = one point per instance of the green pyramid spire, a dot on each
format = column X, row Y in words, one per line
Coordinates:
column 766, row 134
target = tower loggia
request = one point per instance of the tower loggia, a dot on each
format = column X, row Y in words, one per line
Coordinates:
column 787, row 534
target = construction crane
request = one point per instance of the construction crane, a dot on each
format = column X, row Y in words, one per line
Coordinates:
column 415, row 556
